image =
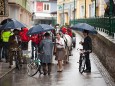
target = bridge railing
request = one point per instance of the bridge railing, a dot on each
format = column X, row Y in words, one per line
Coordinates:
column 104, row 24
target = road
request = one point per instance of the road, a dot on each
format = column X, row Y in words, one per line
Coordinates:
column 69, row 77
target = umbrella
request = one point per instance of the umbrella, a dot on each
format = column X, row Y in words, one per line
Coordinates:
column 6, row 21
column 13, row 24
column 40, row 28
column 84, row 26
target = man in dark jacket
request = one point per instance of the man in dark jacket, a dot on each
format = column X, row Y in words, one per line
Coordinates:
column 15, row 43
column 87, row 46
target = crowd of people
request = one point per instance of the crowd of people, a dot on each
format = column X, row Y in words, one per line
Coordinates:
column 42, row 43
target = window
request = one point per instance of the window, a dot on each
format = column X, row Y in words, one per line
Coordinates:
column 46, row 7
column 82, row 12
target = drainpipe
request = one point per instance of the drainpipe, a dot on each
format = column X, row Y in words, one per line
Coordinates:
column 95, row 8
column 85, row 8
column 63, row 14
column 74, row 12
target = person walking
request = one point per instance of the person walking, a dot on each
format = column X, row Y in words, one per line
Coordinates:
column 87, row 46
column 60, row 51
column 24, row 38
column 5, row 38
column 15, row 43
column 46, row 49
column 34, row 45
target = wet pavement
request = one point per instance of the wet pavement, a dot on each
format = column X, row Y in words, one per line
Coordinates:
column 69, row 77
column 4, row 68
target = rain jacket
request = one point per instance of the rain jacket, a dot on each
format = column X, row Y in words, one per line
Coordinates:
column 64, row 30
column 5, row 36
column 36, row 38
column 23, row 35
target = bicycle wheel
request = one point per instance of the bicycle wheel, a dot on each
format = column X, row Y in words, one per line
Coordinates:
column 32, row 68
column 82, row 64
column 17, row 63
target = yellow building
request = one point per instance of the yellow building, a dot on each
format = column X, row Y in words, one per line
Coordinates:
column 75, row 9
column 88, row 8
column 65, row 11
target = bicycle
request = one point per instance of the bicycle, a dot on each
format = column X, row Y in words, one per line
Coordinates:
column 15, row 55
column 82, row 60
column 34, row 66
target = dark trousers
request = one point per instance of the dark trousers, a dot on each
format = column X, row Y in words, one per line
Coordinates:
column 45, row 66
column 5, row 50
column 88, row 64
column 24, row 45
column 34, row 50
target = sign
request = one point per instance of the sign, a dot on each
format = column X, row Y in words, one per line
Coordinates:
column 3, row 8
column 39, row 6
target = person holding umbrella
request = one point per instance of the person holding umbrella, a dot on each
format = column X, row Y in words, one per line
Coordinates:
column 87, row 46
column 14, row 42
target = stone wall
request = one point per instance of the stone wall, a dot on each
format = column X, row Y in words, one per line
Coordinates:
column 105, row 50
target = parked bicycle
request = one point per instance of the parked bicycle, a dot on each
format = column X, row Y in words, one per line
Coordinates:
column 34, row 66
column 82, row 60
column 16, row 52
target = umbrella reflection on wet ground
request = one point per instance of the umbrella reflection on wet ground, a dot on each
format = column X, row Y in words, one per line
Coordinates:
column 69, row 77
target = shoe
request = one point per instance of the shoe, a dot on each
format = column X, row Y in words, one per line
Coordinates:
column 45, row 73
column 10, row 66
column 59, row 70
column 48, row 73
column 87, row 71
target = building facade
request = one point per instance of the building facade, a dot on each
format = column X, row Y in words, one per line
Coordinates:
column 18, row 9
column 66, row 11
column 43, row 10
column 76, row 9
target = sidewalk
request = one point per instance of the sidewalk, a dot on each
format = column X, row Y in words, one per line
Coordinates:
column 4, row 69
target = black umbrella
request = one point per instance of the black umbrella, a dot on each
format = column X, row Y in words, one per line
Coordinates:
column 6, row 21
column 13, row 24
column 84, row 26
column 40, row 28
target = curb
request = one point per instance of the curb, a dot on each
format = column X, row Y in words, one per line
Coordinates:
column 7, row 72
column 108, row 79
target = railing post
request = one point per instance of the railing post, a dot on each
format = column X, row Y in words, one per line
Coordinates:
column 110, row 15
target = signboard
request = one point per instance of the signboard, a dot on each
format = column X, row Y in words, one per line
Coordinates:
column 39, row 6
column 3, row 8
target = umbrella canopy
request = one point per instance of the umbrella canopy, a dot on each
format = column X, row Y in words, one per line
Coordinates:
column 39, row 28
column 84, row 26
column 6, row 21
column 13, row 24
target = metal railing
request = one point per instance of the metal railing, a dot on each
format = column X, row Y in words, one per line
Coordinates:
column 104, row 24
